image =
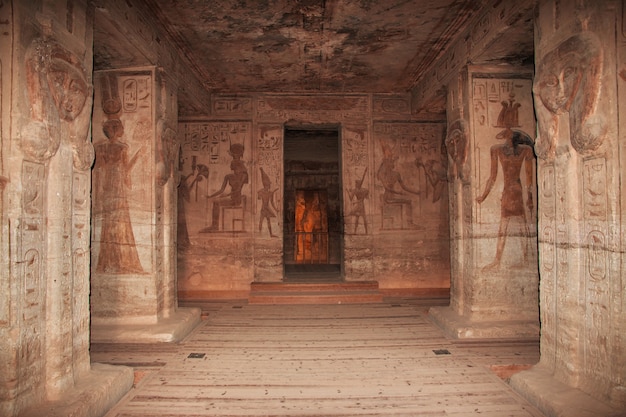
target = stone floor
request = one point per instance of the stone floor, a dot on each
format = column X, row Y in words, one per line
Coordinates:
column 383, row 359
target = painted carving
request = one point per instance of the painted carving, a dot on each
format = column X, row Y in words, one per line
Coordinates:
column 187, row 187
column 118, row 253
column 596, row 255
column 595, row 197
column 391, row 178
column 167, row 153
column 457, row 144
column 436, row 173
column 568, row 82
column 514, row 154
column 268, row 207
column 236, row 181
column 32, row 193
column 357, row 195
column 60, row 98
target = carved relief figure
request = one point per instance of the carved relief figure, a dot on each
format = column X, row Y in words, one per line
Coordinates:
column 390, row 177
column 60, row 96
column 266, row 195
column 358, row 194
column 456, row 144
column 118, row 254
column 436, row 175
column 236, row 180
column 514, row 154
column 188, row 184
column 568, row 82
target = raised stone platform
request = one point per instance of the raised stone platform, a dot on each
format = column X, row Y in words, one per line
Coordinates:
column 92, row 396
column 556, row 399
column 461, row 327
column 167, row 329
column 314, row 293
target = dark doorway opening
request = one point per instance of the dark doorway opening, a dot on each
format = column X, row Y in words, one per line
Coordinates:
column 313, row 227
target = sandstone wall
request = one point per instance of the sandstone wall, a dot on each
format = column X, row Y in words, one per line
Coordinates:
column 406, row 241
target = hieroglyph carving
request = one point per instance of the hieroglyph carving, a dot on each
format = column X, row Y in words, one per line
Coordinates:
column 60, row 102
column 517, row 160
column 215, row 177
column 269, row 161
column 413, row 164
column 568, row 82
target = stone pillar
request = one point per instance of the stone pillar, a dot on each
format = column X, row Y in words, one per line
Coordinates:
column 135, row 177
column 44, row 312
column 581, row 240
column 493, row 206
column 268, row 224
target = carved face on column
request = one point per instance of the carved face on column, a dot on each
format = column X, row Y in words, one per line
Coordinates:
column 560, row 82
column 456, row 144
column 568, row 82
column 68, row 88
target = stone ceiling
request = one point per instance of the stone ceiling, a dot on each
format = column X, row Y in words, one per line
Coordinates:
column 325, row 46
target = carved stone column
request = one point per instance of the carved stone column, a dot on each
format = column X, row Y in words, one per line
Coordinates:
column 581, row 240
column 46, row 93
column 135, row 179
column 493, row 207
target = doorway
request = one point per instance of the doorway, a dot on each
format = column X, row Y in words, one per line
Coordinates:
column 312, row 224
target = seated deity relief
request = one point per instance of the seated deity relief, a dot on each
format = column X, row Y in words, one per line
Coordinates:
column 568, row 82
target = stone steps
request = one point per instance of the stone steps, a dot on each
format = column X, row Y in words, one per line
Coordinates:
column 314, row 292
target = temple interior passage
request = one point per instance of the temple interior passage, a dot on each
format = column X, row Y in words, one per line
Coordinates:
column 312, row 207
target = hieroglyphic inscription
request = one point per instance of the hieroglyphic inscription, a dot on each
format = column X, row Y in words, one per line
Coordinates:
column 411, row 165
column 232, row 106
column 214, row 164
column 269, row 145
column 313, row 108
column 357, row 178
column 388, row 105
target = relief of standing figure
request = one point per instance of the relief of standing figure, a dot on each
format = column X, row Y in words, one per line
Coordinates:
column 266, row 195
column 359, row 194
column 118, row 253
column 514, row 154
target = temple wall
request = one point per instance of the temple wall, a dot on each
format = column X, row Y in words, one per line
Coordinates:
column 578, row 89
column 46, row 96
column 405, row 243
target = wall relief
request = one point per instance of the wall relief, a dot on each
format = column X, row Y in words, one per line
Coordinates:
column 60, row 100
column 568, row 82
column 112, row 178
column 517, row 160
column 457, row 142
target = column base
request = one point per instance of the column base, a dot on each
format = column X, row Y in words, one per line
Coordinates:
column 92, row 396
column 170, row 329
column 556, row 399
column 461, row 327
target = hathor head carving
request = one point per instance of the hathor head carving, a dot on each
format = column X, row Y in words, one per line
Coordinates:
column 568, row 82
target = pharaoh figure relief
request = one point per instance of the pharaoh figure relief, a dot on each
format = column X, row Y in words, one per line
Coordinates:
column 568, row 82
column 60, row 103
column 516, row 158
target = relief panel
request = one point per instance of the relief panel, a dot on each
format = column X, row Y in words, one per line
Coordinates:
column 503, row 116
column 411, row 173
column 269, row 161
column 123, row 183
